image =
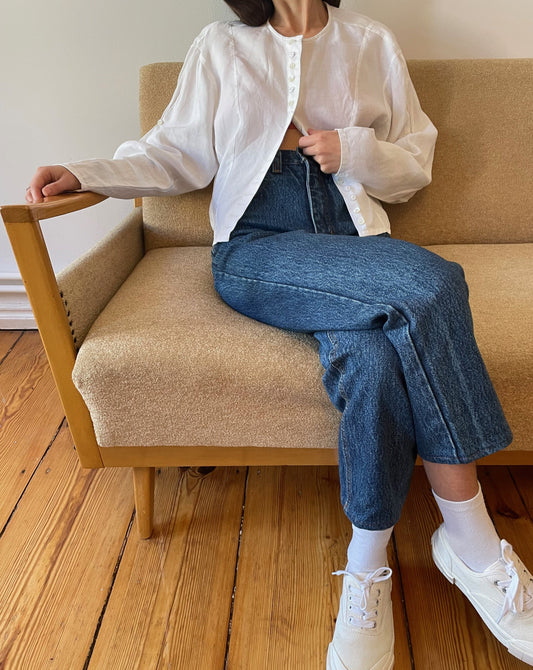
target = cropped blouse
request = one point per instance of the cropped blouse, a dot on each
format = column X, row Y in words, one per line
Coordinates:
column 236, row 96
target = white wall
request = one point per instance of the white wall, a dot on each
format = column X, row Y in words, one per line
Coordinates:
column 68, row 78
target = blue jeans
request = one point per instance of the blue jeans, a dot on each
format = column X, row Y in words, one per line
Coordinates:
column 394, row 329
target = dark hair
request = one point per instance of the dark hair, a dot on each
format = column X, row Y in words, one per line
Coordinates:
column 257, row 12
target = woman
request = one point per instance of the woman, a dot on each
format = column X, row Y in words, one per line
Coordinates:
column 305, row 116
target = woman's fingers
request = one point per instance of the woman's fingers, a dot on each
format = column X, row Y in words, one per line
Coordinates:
column 50, row 180
column 325, row 147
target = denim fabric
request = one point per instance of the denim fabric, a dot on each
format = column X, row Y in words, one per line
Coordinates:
column 393, row 325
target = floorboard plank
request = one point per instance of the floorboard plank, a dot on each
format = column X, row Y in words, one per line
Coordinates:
column 295, row 534
column 402, row 652
column 446, row 632
column 511, row 517
column 57, row 558
column 171, row 600
column 523, row 478
column 7, row 340
column 30, row 415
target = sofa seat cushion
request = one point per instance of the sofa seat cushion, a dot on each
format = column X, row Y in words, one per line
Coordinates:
column 168, row 363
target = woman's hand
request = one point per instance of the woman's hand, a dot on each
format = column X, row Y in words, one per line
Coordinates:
column 50, row 180
column 325, row 147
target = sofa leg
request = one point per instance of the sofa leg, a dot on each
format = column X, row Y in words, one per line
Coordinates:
column 143, row 485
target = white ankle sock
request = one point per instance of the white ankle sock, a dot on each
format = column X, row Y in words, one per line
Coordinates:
column 470, row 531
column 367, row 550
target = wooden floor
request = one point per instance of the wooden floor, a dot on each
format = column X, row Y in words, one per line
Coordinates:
column 238, row 573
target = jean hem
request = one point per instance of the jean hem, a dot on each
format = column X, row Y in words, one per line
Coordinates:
column 470, row 458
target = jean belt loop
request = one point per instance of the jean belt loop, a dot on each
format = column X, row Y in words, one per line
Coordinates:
column 277, row 164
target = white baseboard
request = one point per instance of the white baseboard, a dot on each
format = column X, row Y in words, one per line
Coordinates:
column 15, row 310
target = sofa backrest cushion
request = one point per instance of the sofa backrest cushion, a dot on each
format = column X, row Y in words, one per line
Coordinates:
column 170, row 221
column 481, row 189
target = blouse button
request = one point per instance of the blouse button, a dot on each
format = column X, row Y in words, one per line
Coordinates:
column 160, row 122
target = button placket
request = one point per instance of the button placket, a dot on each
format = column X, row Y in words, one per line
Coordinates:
column 294, row 52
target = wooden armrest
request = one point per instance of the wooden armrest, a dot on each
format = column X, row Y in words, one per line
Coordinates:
column 55, row 205
column 24, row 230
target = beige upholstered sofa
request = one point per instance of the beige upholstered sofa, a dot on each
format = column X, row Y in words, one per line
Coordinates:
column 154, row 370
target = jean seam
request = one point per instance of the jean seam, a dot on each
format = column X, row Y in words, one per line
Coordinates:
column 343, row 439
column 303, row 289
column 428, row 385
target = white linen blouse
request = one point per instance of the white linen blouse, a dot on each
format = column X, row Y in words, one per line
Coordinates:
column 236, row 96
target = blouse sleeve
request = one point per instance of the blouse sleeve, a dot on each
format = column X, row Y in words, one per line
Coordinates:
column 177, row 155
column 393, row 165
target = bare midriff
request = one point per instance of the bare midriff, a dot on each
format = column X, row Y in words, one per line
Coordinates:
column 291, row 139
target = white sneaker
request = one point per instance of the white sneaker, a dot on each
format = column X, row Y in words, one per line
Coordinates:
column 502, row 594
column 364, row 632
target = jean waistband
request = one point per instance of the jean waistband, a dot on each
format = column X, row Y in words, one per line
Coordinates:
column 285, row 157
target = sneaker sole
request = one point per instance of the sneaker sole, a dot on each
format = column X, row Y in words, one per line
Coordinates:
column 333, row 662
column 487, row 619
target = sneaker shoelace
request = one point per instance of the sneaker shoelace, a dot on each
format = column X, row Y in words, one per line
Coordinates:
column 518, row 588
column 365, row 611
